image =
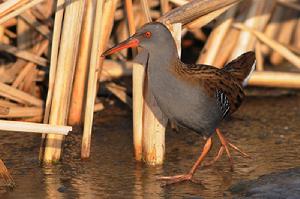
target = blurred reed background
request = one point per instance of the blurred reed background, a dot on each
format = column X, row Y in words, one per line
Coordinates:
column 50, row 63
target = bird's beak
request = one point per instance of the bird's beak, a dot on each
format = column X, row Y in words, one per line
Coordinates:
column 128, row 43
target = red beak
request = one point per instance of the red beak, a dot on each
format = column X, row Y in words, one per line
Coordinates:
column 128, row 43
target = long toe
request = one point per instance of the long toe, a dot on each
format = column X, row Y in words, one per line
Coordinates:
column 187, row 177
column 176, row 179
column 238, row 150
column 226, row 144
column 169, row 177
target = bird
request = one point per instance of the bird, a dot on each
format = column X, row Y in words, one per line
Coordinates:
column 195, row 96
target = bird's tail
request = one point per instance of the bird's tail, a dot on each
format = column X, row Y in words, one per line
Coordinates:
column 242, row 67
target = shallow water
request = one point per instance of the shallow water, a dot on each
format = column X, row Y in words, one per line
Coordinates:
column 268, row 128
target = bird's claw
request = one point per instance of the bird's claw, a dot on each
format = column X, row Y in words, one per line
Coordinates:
column 177, row 179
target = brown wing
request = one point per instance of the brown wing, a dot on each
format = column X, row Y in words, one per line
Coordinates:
column 216, row 82
column 228, row 93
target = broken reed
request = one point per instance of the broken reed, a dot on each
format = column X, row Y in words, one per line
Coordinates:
column 66, row 61
column 102, row 29
column 138, row 75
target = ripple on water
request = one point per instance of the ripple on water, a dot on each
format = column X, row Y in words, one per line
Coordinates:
column 266, row 128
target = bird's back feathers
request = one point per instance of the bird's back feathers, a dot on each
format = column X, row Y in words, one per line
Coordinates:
column 225, row 84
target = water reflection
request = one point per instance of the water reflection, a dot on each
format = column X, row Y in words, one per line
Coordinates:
column 52, row 182
column 266, row 128
column 138, row 185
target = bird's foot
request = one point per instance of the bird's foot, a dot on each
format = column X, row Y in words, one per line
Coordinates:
column 178, row 178
column 245, row 155
column 221, row 150
column 188, row 177
column 225, row 144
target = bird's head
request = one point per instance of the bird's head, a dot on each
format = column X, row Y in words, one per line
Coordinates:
column 151, row 37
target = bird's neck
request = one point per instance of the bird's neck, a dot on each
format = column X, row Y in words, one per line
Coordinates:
column 160, row 70
column 162, row 60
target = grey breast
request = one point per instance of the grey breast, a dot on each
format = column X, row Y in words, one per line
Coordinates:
column 184, row 103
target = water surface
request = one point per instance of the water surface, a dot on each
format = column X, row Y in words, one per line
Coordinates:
column 268, row 128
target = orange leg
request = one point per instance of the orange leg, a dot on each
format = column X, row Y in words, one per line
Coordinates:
column 188, row 176
column 220, row 152
column 225, row 145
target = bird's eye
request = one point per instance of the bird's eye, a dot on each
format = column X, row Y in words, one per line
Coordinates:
column 147, row 34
